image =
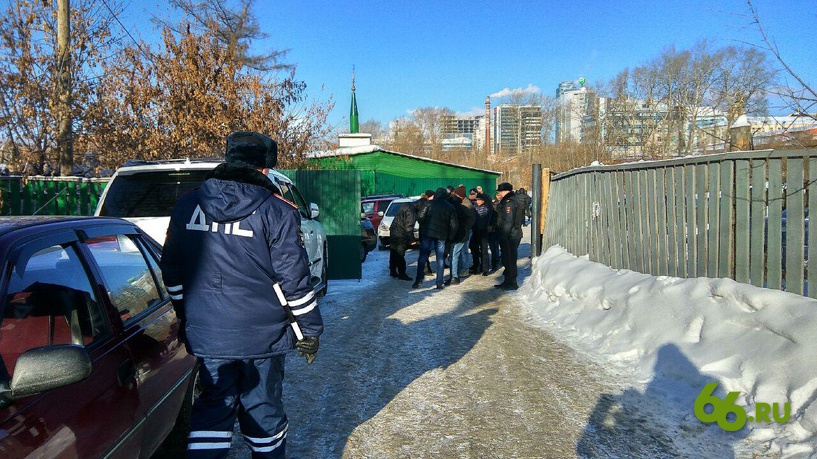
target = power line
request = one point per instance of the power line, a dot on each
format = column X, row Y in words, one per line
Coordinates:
column 116, row 18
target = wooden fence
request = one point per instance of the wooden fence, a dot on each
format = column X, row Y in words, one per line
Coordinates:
column 741, row 215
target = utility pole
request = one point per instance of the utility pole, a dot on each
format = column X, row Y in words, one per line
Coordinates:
column 65, row 140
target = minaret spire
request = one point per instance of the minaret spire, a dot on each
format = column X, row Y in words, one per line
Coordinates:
column 354, row 123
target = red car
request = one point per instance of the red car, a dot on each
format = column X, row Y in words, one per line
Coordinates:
column 375, row 206
column 90, row 362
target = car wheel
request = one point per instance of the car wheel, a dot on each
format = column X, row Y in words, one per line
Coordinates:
column 322, row 292
column 175, row 445
column 363, row 252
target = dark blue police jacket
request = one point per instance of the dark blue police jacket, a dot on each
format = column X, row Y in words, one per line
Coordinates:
column 228, row 242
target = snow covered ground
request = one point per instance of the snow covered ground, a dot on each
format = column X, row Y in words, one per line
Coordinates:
column 667, row 337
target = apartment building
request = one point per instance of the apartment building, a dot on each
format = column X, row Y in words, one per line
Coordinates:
column 517, row 128
column 463, row 131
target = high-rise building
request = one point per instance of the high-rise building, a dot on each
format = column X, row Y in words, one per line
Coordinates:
column 462, row 131
column 517, row 128
column 576, row 112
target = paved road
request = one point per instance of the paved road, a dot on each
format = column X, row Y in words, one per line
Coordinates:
column 458, row 373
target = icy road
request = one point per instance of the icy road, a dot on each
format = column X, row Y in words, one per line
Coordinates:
column 466, row 372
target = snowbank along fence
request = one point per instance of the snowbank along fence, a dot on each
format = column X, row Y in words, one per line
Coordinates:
column 741, row 215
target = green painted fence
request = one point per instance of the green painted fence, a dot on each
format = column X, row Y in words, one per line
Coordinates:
column 50, row 195
column 337, row 194
column 739, row 215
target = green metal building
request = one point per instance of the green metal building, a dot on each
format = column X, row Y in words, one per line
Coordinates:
column 383, row 171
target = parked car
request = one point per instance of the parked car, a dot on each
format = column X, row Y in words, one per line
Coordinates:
column 367, row 235
column 385, row 224
column 145, row 192
column 375, row 206
column 90, row 361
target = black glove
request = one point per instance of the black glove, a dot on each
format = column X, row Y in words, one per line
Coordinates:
column 308, row 347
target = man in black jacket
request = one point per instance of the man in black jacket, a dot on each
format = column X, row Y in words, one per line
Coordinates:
column 401, row 235
column 438, row 223
column 485, row 215
column 232, row 259
column 510, row 218
column 465, row 221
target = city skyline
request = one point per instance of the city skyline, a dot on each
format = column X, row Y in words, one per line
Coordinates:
column 410, row 55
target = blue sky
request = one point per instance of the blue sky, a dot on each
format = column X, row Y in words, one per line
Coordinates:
column 453, row 53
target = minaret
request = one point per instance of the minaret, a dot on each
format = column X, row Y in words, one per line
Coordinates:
column 354, row 123
column 354, row 138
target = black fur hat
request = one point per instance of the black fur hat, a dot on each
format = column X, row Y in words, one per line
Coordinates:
column 504, row 186
column 251, row 149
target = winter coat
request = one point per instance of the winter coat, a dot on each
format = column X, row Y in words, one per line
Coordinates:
column 510, row 216
column 229, row 241
column 402, row 227
column 526, row 201
column 485, row 218
column 494, row 217
column 465, row 219
column 438, row 219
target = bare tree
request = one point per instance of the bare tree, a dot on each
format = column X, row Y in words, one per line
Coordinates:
column 233, row 27
column 684, row 101
column 801, row 98
column 429, row 121
column 29, row 72
column 375, row 128
column 406, row 137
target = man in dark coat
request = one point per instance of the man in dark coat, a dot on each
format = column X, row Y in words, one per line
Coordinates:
column 485, row 215
column 465, row 221
column 526, row 203
column 418, row 205
column 438, row 223
column 510, row 218
column 493, row 235
column 401, row 236
column 232, row 258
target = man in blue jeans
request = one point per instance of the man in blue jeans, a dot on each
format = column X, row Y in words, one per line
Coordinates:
column 438, row 223
column 466, row 217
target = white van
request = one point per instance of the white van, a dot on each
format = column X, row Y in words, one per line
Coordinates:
column 145, row 192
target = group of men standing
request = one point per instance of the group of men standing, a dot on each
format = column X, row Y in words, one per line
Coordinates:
column 452, row 225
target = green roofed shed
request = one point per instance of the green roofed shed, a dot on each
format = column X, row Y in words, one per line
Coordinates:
column 384, row 171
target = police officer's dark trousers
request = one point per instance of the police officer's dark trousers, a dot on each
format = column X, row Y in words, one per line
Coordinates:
column 509, row 247
column 249, row 390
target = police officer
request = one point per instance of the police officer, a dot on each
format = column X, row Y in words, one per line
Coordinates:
column 229, row 242
column 510, row 218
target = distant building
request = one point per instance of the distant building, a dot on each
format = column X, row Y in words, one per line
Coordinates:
column 757, row 132
column 517, row 128
column 576, row 112
column 463, row 131
column 634, row 129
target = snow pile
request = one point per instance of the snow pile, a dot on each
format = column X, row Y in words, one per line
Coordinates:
column 760, row 342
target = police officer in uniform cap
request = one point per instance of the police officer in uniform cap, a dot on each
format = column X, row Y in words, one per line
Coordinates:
column 228, row 243
column 510, row 218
